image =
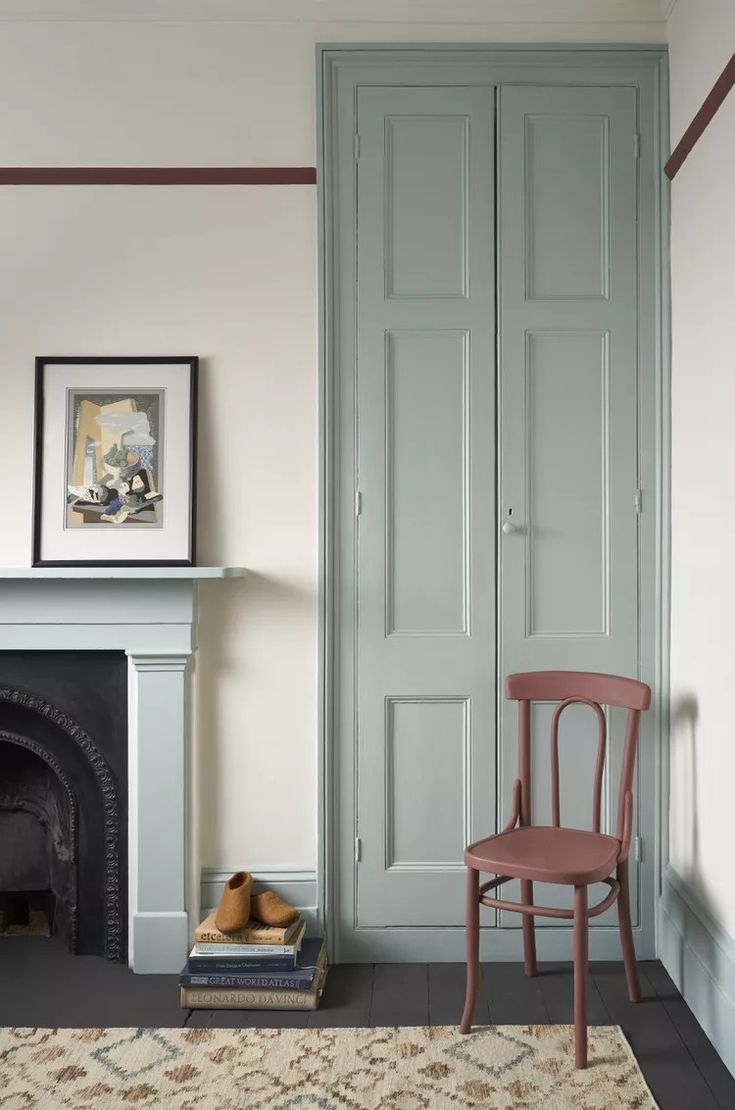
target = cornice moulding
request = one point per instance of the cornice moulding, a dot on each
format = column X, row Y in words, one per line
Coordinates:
column 476, row 12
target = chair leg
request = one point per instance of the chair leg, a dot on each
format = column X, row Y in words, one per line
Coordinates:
column 580, row 976
column 529, row 934
column 472, row 925
column 626, row 934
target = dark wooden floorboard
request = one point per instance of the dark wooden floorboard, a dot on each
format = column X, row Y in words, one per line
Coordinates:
column 716, row 1075
column 400, row 995
column 447, row 983
column 347, row 998
column 672, row 1075
column 42, row 985
column 556, row 983
column 512, row 997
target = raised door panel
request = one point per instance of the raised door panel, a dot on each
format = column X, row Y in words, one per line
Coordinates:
column 568, row 483
column 426, row 218
column 427, row 526
column 427, row 759
column 566, row 191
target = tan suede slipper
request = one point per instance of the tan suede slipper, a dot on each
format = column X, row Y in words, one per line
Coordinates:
column 233, row 912
column 272, row 910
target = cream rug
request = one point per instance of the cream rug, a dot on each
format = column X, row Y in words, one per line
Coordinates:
column 508, row 1067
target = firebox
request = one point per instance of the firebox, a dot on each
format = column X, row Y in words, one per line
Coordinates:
column 63, row 798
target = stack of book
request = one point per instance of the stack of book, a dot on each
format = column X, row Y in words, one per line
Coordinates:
column 262, row 967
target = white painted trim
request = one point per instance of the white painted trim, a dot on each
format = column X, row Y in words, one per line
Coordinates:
column 262, row 875
column 132, row 807
column 487, row 13
column 157, row 834
column 700, row 957
column 164, row 573
column 158, row 938
column 553, row 943
column 662, row 695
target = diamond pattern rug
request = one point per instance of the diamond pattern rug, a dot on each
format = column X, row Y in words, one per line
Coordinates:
column 507, row 1067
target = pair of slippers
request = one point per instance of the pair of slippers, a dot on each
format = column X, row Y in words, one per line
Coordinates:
column 238, row 904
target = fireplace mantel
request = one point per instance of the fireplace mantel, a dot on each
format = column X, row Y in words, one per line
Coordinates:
column 150, row 613
column 163, row 573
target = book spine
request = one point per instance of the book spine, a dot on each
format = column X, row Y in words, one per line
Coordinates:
column 205, row 948
column 239, row 938
column 213, row 965
column 271, row 935
column 199, row 998
column 248, row 982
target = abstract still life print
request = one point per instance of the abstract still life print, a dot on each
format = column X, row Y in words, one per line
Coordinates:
column 114, row 458
column 115, row 461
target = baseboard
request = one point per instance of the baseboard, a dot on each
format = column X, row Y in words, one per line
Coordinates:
column 448, row 945
column 700, row 957
column 296, row 884
column 157, row 944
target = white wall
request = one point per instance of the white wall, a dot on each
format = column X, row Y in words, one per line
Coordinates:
column 229, row 274
column 702, row 821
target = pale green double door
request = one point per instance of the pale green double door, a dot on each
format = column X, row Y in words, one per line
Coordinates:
column 495, row 430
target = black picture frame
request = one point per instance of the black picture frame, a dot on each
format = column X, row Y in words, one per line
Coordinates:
column 41, row 362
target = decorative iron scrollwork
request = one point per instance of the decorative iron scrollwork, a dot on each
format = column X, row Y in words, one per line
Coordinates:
column 108, row 791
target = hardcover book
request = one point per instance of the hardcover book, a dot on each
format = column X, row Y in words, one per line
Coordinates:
column 253, row 933
column 249, row 948
column 233, row 998
column 213, row 964
column 299, row 977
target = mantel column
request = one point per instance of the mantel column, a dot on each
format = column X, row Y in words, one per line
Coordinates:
column 158, row 921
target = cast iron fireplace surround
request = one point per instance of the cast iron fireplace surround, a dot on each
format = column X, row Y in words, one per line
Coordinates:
column 63, row 791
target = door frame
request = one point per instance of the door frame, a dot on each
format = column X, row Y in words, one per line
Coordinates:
column 340, row 70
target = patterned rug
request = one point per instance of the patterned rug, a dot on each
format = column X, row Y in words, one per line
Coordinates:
column 508, row 1067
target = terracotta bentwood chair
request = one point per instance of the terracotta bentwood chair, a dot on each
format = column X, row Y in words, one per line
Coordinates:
column 554, row 854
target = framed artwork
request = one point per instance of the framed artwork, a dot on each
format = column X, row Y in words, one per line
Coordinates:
column 115, row 461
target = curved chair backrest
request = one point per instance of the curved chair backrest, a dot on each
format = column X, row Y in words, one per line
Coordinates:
column 586, row 688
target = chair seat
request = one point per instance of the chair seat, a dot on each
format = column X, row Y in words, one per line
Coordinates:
column 546, row 854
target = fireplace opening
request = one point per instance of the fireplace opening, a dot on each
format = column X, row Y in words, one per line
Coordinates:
column 38, row 842
column 27, row 913
column 63, row 789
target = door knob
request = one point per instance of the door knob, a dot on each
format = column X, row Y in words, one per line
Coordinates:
column 508, row 528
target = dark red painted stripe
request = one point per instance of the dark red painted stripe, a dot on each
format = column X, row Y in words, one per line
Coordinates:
column 149, row 175
column 694, row 131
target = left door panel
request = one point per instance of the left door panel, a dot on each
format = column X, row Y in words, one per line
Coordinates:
column 425, row 472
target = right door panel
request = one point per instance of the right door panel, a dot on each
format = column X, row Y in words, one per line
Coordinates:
column 568, row 423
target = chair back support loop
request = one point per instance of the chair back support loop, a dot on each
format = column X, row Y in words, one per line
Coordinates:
column 587, row 688
column 599, row 765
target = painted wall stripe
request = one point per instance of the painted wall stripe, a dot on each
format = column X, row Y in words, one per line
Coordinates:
column 153, row 175
column 696, row 128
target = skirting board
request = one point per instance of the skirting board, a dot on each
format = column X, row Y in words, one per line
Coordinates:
column 295, row 884
column 700, row 957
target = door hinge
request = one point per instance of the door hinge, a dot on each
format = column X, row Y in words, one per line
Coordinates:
column 358, row 502
column 638, row 500
column 358, row 849
column 636, row 145
column 356, row 145
column 638, row 849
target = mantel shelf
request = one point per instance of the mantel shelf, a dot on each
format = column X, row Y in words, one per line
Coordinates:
column 162, row 573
